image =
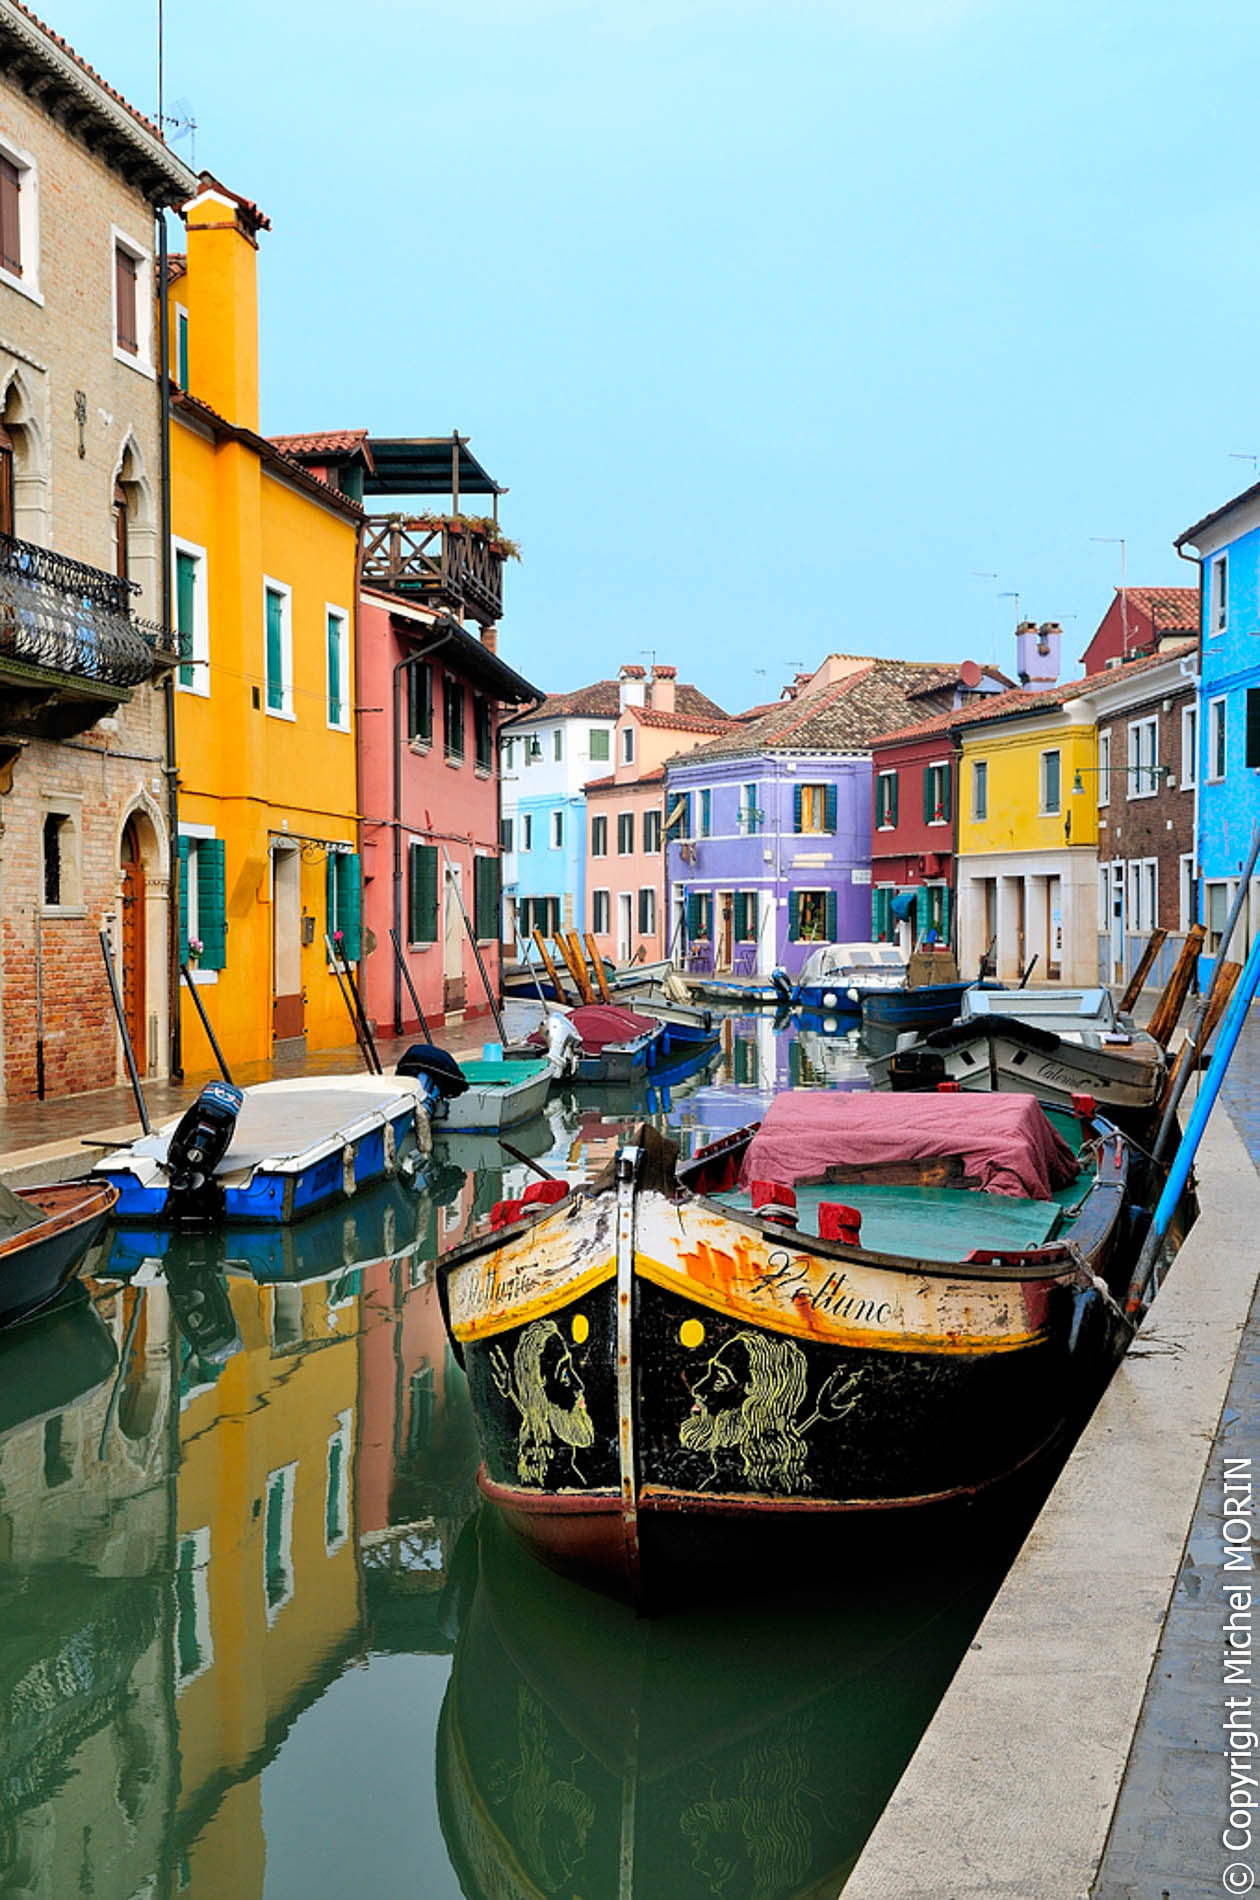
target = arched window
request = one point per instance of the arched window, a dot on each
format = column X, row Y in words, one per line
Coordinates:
column 120, row 531
column 6, row 481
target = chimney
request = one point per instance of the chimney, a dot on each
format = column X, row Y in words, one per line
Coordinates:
column 1037, row 653
column 220, row 289
column 662, row 693
column 490, row 638
column 632, row 681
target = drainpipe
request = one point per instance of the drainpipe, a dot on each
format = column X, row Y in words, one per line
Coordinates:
column 400, row 666
column 171, row 768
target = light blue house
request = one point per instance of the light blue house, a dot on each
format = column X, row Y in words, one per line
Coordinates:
column 1227, row 546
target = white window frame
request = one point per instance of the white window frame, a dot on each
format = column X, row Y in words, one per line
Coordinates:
column 557, row 829
column 142, row 361
column 979, row 776
column 1043, row 809
column 1229, row 885
column 68, row 807
column 648, row 891
column 285, row 1478
column 195, row 833
column 332, row 611
column 1143, row 775
column 1142, row 895
column 203, row 1631
column 28, row 223
column 179, row 333
column 200, row 682
column 599, row 834
column 342, row 1435
column 1186, row 892
column 601, row 899
column 1104, row 767
column 625, row 829
column 941, row 767
column 285, row 709
column 1218, row 595
column 527, row 831
column 627, row 745
column 1104, row 898
column 1189, row 747
column 1212, row 776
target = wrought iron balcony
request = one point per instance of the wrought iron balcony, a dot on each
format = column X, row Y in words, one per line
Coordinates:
column 59, row 616
column 439, row 562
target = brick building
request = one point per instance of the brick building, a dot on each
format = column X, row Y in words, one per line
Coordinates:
column 84, row 785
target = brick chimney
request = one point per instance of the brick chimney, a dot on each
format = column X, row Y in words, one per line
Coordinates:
column 632, row 681
column 490, row 638
column 662, row 692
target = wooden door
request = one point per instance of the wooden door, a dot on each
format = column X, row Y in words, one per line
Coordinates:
column 453, row 935
column 133, row 947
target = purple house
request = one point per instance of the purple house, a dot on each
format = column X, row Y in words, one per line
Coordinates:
column 768, row 828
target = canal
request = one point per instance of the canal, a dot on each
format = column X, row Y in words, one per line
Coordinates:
column 258, row 1641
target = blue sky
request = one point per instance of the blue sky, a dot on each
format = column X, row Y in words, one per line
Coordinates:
column 782, row 319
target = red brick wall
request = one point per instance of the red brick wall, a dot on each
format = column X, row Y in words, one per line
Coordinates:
column 1161, row 827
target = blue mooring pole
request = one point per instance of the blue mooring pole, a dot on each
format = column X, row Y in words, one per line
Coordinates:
column 1178, row 1173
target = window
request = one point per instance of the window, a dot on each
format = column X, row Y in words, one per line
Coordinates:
column 337, row 1486
column 194, row 1650
column 706, row 813
column 278, row 1540
column 527, row 831
column 557, row 741
column 62, row 887
column 627, row 745
column 541, row 914
column 19, row 222
column 483, row 734
column 937, row 794
column 600, row 912
column 278, row 659
column 980, row 788
column 811, row 916
column 700, row 917
column 181, row 346
column 192, row 619
column 599, row 836
column 814, row 808
column 420, row 703
column 651, row 831
column 486, row 899
column 202, row 899
column 6, row 481
column 885, row 801
column 1216, row 739
column 1104, row 768
column 625, row 833
column 1051, row 801
column 507, row 754
column 505, row 834
column 557, row 831
column 1218, row 606
column 597, row 743
column 422, row 893
column 1187, row 908
column 746, row 916
column 1252, row 735
column 749, row 813
column 122, row 561
column 1143, row 759
column 1143, row 895
column 678, row 823
column 337, row 622
column 343, row 898
column 133, row 300
column 1189, row 747
column 647, row 911
column 453, row 719
column 1218, row 895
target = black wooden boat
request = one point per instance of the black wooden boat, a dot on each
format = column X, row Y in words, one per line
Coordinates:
column 46, row 1232
column 668, row 1352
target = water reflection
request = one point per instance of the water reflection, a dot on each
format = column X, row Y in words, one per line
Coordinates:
column 239, row 1547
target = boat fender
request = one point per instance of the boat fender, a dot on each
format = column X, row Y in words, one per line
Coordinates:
column 838, row 1222
column 544, row 1193
column 831, row 999
column 852, row 993
column 949, row 1088
column 772, row 1201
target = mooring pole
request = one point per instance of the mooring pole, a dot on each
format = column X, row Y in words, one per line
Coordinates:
column 186, row 973
column 406, row 976
column 364, row 1051
column 128, row 1051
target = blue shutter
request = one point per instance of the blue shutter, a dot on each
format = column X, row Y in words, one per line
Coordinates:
column 829, row 809
column 922, row 913
column 184, row 850
column 349, row 905
column 212, row 903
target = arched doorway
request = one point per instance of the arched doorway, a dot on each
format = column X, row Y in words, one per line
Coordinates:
column 133, row 943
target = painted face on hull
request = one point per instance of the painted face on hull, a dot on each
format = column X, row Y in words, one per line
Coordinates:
column 748, row 1398
column 563, row 1393
column 546, row 1389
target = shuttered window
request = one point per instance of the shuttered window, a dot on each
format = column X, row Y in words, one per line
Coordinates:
column 678, row 817
column 937, row 794
column 886, row 801
column 1253, row 725
column 745, row 916
column 699, row 916
column 599, row 836
column 881, row 914
column 202, row 902
column 274, row 607
column 344, row 900
column 814, row 808
column 453, row 715
column 931, row 912
column 483, row 735
column 486, row 899
column 647, row 911
column 185, row 613
column 338, row 710
column 812, row 916
column 625, row 833
column 420, row 701
column 651, row 831
column 126, row 331
column 10, row 217
column 422, row 893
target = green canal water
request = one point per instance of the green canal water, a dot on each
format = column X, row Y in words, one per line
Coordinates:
column 258, row 1642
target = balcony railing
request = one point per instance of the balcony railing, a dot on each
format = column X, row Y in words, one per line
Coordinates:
column 433, row 561
column 61, row 616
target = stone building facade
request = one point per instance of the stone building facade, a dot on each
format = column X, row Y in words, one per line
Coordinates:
column 84, row 785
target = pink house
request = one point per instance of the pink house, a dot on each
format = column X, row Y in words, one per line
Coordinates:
column 625, row 816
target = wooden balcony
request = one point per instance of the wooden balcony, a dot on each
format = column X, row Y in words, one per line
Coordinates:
column 437, row 561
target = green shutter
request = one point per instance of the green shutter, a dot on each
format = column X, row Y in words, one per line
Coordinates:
column 335, row 712
column 695, row 915
column 829, row 915
column 928, row 803
column 947, row 795
column 741, row 917
column 797, row 801
column 922, row 912
column 877, row 915
column 275, row 651
column 185, row 611
column 184, row 848
column 794, row 916
column 945, row 894
column 422, row 909
column 212, row 903
column 345, row 903
column 893, row 783
column 750, row 916
column 486, row 898
column 829, row 808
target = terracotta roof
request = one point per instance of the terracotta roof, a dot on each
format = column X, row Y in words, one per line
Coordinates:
column 330, row 442
column 267, row 450
column 254, row 219
column 613, row 783
column 176, row 266
column 602, row 700
column 845, row 717
column 678, row 721
column 1172, row 609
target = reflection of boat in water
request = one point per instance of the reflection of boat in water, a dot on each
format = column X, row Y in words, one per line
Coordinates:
column 54, row 1360
column 582, row 1751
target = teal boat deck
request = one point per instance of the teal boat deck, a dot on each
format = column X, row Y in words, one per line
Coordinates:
column 500, row 1075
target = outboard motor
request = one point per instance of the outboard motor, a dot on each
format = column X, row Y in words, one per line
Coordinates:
column 783, row 987
column 200, row 1141
column 200, row 1302
column 564, row 1046
column 441, row 1078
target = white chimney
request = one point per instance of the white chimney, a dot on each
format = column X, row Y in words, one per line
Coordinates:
column 632, row 681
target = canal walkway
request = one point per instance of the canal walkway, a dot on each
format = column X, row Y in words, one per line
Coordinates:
column 1079, row 1753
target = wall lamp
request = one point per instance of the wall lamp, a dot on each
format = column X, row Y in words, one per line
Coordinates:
column 1161, row 772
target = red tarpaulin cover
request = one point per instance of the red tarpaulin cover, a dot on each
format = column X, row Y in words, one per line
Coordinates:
column 600, row 1023
column 1006, row 1143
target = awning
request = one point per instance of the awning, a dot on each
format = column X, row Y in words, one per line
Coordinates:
column 425, row 465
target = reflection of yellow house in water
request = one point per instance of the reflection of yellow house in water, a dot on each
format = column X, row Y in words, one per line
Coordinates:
column 267, row 1591
column 264, row 567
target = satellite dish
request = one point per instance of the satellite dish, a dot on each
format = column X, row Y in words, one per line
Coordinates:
column 969, row 673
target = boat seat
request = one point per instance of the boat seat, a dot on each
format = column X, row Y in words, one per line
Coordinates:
column 925, row 1223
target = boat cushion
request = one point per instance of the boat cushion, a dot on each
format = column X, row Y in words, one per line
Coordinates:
column 1005, row 1141
column 601, row 1023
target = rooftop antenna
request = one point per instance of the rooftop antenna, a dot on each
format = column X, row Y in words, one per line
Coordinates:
column 1241, row 455
column 1012, row 594
column 184, row 125
column 1114, row 541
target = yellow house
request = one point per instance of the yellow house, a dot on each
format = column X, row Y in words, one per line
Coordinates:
column 1028, row 837
column 264, row 560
